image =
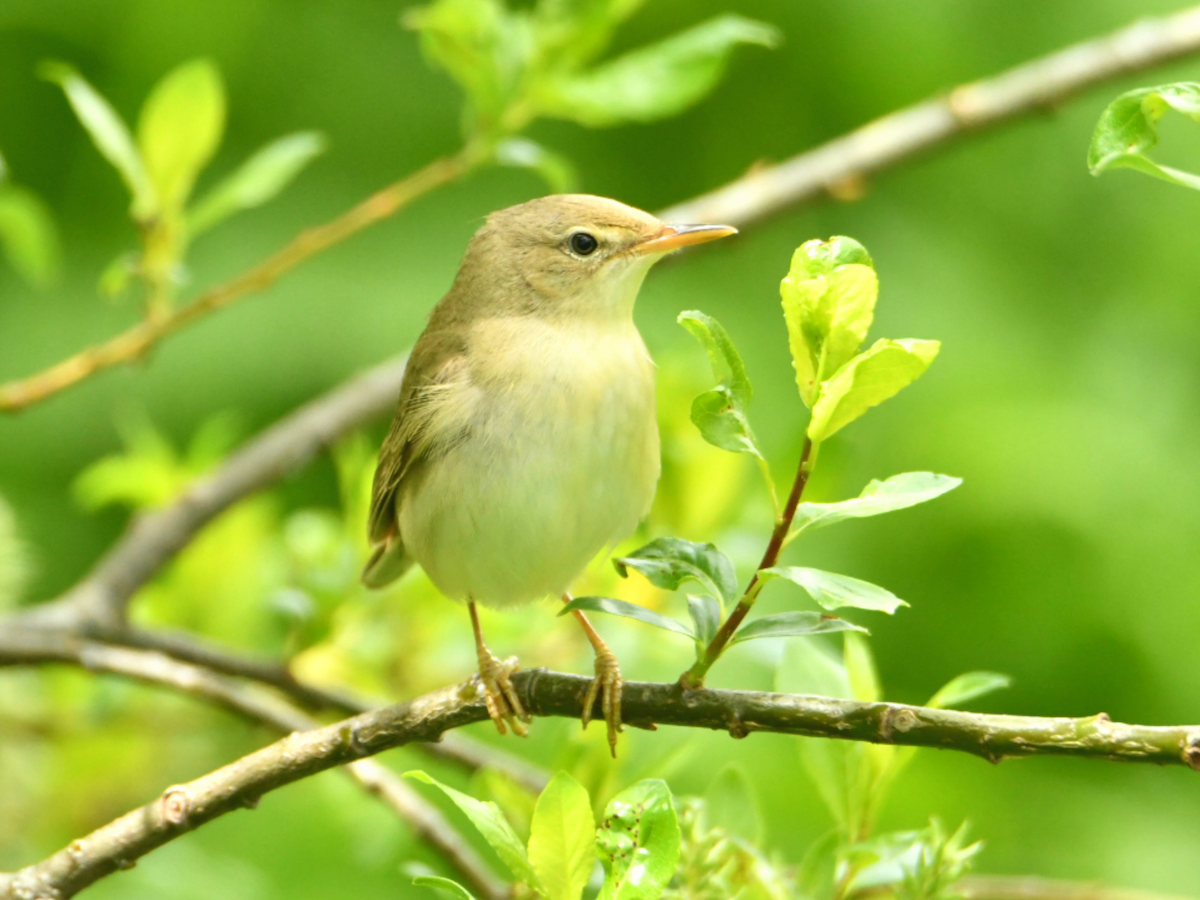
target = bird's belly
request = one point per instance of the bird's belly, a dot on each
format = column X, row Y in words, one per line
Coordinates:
column 561, row 460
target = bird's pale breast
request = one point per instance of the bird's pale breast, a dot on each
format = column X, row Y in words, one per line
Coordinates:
column 559, row 459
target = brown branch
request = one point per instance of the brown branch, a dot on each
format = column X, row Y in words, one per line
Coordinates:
column 150, row 667
column 241, row 784
column 895, row 138
column 133, row 344
column 1025, row 89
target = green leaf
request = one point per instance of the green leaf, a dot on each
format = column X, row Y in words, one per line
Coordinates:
column 628, row 611
column 878, row 497
column 867, row 380
column 555, row 169
column 706, row 614
column 572, row 32
column 720, row 414
column 562, row 838
column 481, row 45
column 654, row 81
column 860, row 668
column 445, row 885
column 668, row 562
column 967, row 687
column 29, row 237
column 828, row 299
column 490, row 822
column 258, row 180
column 108, row 132
column 834, row 591
column 180, row 128
column 638, row 842
column 732, row 804
column 792, row 624
column 1127, row 131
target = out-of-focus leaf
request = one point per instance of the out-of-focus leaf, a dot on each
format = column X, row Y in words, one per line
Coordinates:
column 878, row 497
column 828, row 299
column 816, row 876
column 706, row 614
column 967, row 687
column 792, row 624
column 866, row 380
column 481, row 45
column 108, row 132
column 490, row 822
column 1128, row 130
column 180, row 128
column 912, row 865
column 834, row 591
column 555, row 169
column 638, row 842
column 562, row 838
column 655, row 81
column 732, row 804
column 117, row 274
column 628, row 611
column 445, row 885
column 28, row 234
column 572, row 32
column 720, row 414
column 14, row 558
column 668, row 562
column 860, row 668
column 258, row 180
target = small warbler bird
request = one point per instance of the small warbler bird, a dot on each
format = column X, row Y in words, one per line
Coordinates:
column 525, row 441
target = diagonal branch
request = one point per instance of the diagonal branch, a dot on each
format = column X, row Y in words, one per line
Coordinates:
column 899, row 136
column 241, row 784
column 878, row 145
column 427, row 823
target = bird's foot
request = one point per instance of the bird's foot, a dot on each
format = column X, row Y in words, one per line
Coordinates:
column 608, row 684
column 503, row 704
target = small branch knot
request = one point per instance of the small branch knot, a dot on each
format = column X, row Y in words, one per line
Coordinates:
column 175, row 806
column 1191, row 753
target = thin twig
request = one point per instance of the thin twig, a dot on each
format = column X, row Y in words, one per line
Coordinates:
column 241, row 784
column 427, row 823
column 133, row 344
column 1036, row 85
column 899, row 136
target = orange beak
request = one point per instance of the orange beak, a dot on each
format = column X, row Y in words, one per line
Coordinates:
column 673, row 237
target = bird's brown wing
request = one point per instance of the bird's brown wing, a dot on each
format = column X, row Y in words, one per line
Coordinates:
column 436, row 372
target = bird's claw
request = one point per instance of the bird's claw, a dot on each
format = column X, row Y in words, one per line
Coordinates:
column 503, row 704
column 608, row 684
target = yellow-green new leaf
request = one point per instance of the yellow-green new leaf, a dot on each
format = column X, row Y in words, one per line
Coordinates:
column 867, row 380
column 180, row 128
column 562, row 838
column 108, row 132
column 28, row 235
column 828, row 299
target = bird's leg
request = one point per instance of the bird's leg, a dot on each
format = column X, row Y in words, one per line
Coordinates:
column 503, row 704
column 608, row 679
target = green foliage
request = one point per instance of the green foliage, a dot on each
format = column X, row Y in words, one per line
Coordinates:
column 179, row 130
column 720, row 414
column 444, row 885
column 718, row 860
column 518, row 65
column 914, row 865
column 967, row 687
column 628, row 611
column 490, row 822
column 837, row 591
column 877, row 498
column 670, row 562
column 27, row 233
column 638, row 842
column 562, row 838
column 1128, row 131
column 792, row 624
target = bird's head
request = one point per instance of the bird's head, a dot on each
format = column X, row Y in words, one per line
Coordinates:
column 572, row 255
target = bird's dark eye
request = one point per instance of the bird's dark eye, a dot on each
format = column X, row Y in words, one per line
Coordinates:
column 583, row 243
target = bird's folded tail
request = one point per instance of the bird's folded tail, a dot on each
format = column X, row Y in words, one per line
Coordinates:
column 387, row 563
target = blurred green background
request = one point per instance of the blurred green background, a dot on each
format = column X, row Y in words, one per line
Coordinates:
column 1067, row 396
